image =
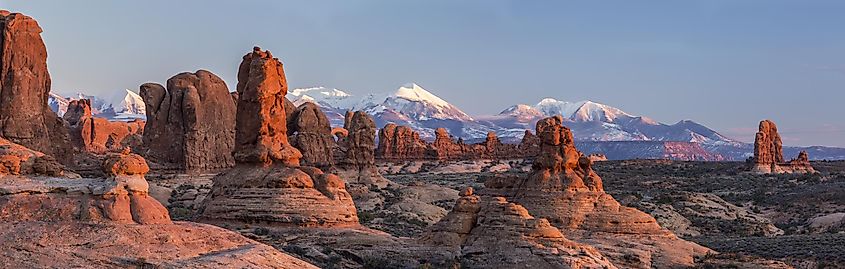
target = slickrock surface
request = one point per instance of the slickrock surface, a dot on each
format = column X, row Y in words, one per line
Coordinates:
column 98, row 135
column 490, row 232
column 89, row 245
column 397, row 143
column 190, row 125
column 768, row 153
column 564, row 189
column 59, row 222
column 25, row 117
column 357, row 143
column 121, row 198
column 279, row 195
column 311, row 133
column 267, row 186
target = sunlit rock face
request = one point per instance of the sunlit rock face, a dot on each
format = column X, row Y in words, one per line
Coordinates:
column 25, row 116
column 768, row 153
column 268, row 185
column 563, row 188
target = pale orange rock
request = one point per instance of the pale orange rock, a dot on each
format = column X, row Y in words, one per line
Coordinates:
column 490, row 232
column 563, row 188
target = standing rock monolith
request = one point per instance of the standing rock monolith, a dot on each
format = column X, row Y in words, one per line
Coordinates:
column 190, row 124
column 25, row 116
column 768, row 153
column 311, row 133
column 268, row 185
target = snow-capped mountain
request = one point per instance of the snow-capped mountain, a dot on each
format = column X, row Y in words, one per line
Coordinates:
column 591, row 121
column 409, row 105
column 123, row 105
column 58, row 103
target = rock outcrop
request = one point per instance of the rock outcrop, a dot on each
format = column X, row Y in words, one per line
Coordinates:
column 768, row 153
column 398, row 143
column 98, row 135
column 357, row 143
column 19, row 160
column 190, row 125
column 401, row 143
column 49, row 221
column 490, row 232
column 25, row 116
column 267, row 186
column 261, row 128
column 310, row 131
column 563, row 188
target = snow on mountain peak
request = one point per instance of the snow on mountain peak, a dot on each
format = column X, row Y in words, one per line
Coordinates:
column 592, row 111
column 132, row 103
column 413, row 92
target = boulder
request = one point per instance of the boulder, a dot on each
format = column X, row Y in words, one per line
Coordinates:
column 25, row 116
column 190, row 125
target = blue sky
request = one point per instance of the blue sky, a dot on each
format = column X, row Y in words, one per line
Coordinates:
column 726, row 64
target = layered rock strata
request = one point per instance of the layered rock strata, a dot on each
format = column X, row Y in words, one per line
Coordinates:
column 768, row 153
column 190, row 124
column 25, row 116
column 563, row 188
column 268, row 186
column 490, row 232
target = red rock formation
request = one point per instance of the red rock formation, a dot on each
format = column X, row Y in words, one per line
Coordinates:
column 398, row 143
column 401, row 143
column 310, row 131
column 563, row 188
column 19, row 160
column 357, row 151
column 108, row 222
column 768, row 153
column 98, row 135
column 490, row 232
column 190, row 125
column 267, row 186
column 261, row 128
column 25, row 117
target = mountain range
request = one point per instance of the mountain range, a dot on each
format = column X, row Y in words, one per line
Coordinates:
column 598, row 128
column 123, row 106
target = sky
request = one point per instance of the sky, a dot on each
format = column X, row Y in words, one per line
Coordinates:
column 724, row 63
